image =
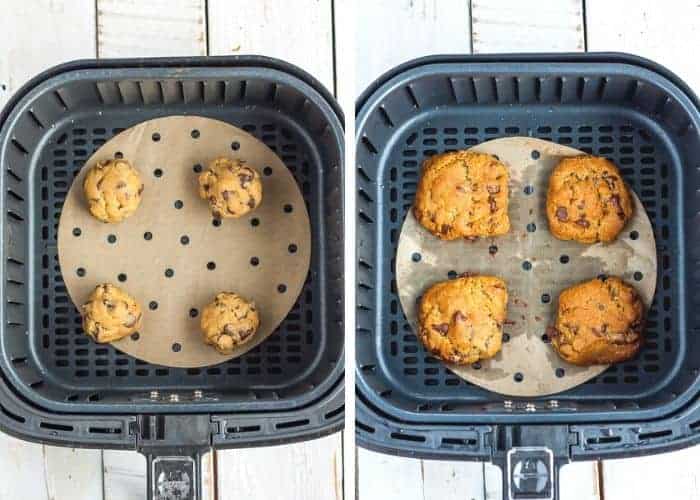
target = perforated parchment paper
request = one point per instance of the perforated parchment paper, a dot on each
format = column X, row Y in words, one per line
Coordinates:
column 263, row 256
column 536, row 267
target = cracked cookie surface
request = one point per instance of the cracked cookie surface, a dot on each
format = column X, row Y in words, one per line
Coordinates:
column 110, row 314
column 587, row 200
column 463, row 195
column 598, row 322
column 229, row 322
column 461, row 320
column 232, row 188
column 113, row 190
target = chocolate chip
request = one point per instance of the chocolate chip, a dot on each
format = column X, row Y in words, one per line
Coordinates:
column 205, row 187
column 121, row 185
column 226, row 195
column 445, row 228
column 615, row 201
column 459, row 316
column 441, row 328
column 583, row 223
column 562, row 214
column 251, row 202
column 461, row 189
column 466, row 274
column 246, row 334
column 229, row 329
column 552, row 332
column 141, row 189
column 130, row 321
column 492, row 204
column 493, row 189
column 245, row 178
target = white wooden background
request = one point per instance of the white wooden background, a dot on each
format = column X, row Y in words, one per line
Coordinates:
column 37, row 34
column 394, row 31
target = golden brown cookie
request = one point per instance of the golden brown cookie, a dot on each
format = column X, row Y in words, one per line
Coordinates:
column 461, row 320
column 232, row 188
column 598, row 322
column 113, row 190
column 229, row 322
column 587, row 200
column 463, row 195
column 110, row 314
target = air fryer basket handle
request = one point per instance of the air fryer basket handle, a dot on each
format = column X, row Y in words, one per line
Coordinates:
column 530, row 458
column 174, row 477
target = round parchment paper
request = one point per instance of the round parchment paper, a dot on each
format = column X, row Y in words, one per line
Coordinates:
column 263, row 256
column 536, row 267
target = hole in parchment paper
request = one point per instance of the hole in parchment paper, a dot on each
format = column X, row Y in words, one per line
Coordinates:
column 476, row 366
column 528, row 190
column 518, row 377
column 155, row 137
column 545, row 338
column 119, row 155
column 195, row 134
column 564, row 259
column 535, row 154
column 531, row 227
column 147, row 236
column 169, row 273
column 416, row 257
column 254, row 261
column 505, row 337
column 235, row 145
column 254, row 222
column 546, row 298
column 178, row 204
column 527, row 265
column 211, row 265
column 216, row 222
column 493, row 250
column 452, row 274
column 634, row 235
column 197, row 168
column 158, row 172
column 559, row 372
column 267, row 171
column 135, row 336
column 177, row 347
column 121, row 277
column 80, row 272
column 184, row 239
column 292, row 248
column 153, row 305
column 77, row 232
column 288, row 208
column 638, row 276
column 193, row 312
column 112, row 238
column 281, row 288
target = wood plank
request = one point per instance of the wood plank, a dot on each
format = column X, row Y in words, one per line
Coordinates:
column 666, row 32
column 448, row 480
column 130, row 28
column 395, row 31
column 500, row 26
column 670, row 475
column 388, row 477
column 73, row 473
column 311, row 470
column 38, row 34
column 344, row 35
column 299, row 32
column 124, row 475
column 22, row 466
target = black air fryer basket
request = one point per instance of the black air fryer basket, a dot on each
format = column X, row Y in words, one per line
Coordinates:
column 57, row 385
column 625, row 108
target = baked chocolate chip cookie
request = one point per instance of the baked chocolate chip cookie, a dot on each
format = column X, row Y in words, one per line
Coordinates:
column 598, row 322
column 113, row 190
column 232, row 188
column 463, row 195
column 110, row 314
column 461, row 320
column 587, row 200
column 229, row 322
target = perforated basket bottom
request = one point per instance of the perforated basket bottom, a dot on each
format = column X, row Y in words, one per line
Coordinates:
column 420, row 381
column 75, row 368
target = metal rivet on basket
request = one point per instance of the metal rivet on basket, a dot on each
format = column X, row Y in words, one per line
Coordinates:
column 174, row 398
column 155, row 394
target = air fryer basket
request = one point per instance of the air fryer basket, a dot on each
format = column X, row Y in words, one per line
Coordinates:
column 60, row 386
column 621, row 107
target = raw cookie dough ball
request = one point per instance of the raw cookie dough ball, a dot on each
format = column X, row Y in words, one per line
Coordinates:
column 587, row 200
column 113, row 190
column 229, row 322
column 461, row 320
column 463, row 195
column 110, row 314
column 598, row 322
column 232, row 188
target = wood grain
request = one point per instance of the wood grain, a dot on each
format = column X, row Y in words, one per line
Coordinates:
column 391, row 32
column 132, row 28
column 300, row 32
column 38, row 34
